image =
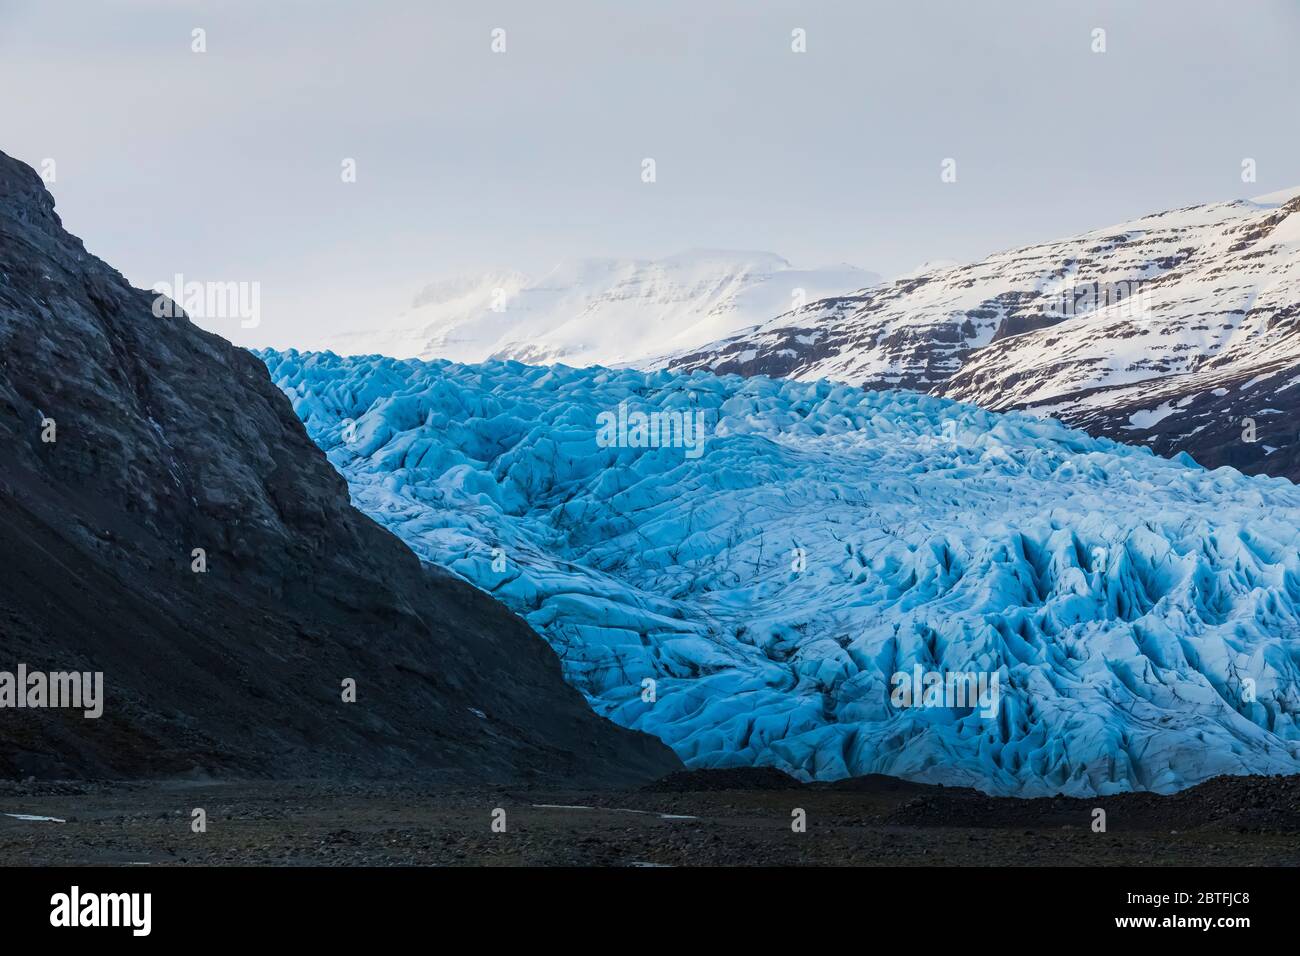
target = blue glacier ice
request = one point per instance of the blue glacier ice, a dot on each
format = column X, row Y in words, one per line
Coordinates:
column 751, row 605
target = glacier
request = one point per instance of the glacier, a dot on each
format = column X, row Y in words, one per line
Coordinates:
column 751, row 606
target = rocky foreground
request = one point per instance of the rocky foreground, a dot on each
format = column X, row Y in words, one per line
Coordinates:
column 699, row 818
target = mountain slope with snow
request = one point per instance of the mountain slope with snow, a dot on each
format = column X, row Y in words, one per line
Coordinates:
column 755, row 603
column 1169, row 330
column 601, row 311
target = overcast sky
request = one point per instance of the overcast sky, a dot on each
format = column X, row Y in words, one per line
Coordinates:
column 226, row 165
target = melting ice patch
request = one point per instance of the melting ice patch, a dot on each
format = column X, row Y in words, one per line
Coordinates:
column 750, row 606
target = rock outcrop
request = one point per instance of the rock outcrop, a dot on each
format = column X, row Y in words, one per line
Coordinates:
column 168, row 439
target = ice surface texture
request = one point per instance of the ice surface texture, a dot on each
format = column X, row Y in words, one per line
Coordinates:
column 1140, row 613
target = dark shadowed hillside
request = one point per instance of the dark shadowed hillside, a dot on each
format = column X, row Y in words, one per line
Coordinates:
column 170, row 439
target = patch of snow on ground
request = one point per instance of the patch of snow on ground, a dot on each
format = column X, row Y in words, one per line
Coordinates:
column 1150, row 416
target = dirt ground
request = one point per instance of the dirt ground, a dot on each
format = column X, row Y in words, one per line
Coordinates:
column 692, row 819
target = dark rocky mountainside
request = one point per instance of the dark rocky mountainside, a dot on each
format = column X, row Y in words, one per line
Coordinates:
column 169, row 439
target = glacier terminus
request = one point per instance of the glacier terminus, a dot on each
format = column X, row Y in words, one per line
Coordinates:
column 1138, row 616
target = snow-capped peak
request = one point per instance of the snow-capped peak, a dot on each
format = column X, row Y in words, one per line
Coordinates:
column 1279, row 198
column 1177, row 329
column 604, row 311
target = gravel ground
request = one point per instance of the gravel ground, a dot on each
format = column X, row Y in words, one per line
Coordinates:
column 694, row 819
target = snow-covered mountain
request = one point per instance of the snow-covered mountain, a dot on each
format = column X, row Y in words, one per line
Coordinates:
column 752, row 592
column 1171, row 330
column 600, row 311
